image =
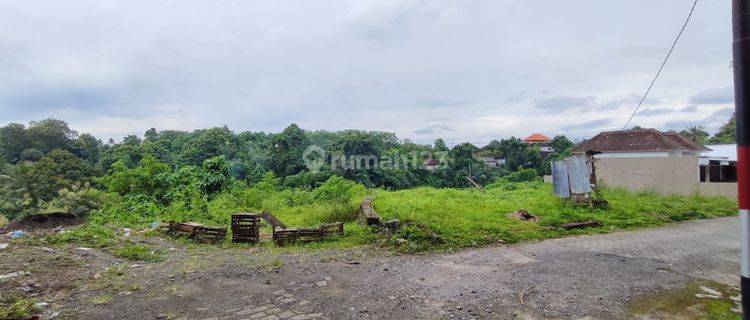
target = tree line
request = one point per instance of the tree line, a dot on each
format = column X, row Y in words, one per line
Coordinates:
column 47, row 159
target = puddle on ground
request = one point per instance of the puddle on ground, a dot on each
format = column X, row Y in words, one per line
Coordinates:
column 699, row 299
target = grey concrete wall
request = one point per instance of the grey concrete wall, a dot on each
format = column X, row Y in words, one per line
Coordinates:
column 722, row 189
column 547, row 178
column 667, row 175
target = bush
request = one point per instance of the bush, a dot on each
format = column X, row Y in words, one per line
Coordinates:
column 522, row 175
column 337, row 190
column 91, row 235
column 77, row 200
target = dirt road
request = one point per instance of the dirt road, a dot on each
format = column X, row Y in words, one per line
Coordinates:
column 596, row 276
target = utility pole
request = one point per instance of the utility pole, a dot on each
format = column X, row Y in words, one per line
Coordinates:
column 741, row 49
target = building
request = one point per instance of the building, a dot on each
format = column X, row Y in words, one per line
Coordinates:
column 542, row 141
column 536, row 138
column 651, row 160
column 492, row 162
column 719, row 164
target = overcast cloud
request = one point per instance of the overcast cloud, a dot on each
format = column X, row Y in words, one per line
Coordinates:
column 461, row 70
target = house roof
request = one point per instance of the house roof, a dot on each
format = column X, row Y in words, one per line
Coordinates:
column 638, row 140
column 723, row 151
column 537, row 137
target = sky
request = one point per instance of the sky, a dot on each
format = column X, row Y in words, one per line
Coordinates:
column 461, row 70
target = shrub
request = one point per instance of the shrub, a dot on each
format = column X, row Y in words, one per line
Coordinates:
column 91, row 235
column 337, row 190
column 522, row 175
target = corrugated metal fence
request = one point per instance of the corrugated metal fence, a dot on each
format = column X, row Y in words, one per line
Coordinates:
column 570, row 177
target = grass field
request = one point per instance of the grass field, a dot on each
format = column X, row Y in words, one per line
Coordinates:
column 431, row 219
column 452, row 218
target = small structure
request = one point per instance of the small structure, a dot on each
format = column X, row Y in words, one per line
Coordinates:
column 492, row 162
column 245, row 227
column 719, row 164
column 431, row 164
column 651, row 160
column 571, row 179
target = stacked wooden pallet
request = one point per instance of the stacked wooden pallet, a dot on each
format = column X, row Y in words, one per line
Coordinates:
column 245, row 227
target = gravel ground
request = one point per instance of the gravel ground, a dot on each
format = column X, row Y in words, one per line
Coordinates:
column 571, row 278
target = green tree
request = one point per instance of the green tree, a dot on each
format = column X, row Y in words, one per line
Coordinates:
column 286, row 151
column 518, row 154
column 87, row 147
column 727, row 133
column 49, row 134
column 215, row 175
column 440, row 145
column 57, row 170
column 696, row 133
column 13, row 141
column 463, row 164
column 208, row 143
column 150, row 177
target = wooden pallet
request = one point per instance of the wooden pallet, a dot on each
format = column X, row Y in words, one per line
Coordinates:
column 332, row 229
column 210, row 234
column 367, row 214
column 284, row 236
column 245, row 227
column 198, row 231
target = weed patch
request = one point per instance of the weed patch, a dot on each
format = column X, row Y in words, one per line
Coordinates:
column 138, row 252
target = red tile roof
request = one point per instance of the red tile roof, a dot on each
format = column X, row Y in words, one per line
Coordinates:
column 638, row 140
column 537, row 137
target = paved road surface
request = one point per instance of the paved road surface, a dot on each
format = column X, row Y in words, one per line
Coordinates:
column 587, row 276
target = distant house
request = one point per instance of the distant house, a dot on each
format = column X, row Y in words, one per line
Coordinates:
column 492, row 162
column 651, row 160
column 637, row 143
column 431, row 164
column 542, row 141
column 719, row 164
column 536, row 138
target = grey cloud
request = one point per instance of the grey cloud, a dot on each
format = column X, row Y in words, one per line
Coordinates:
column 720, row 115
column 563, row 103
column 662, row 111
column 691, row 108
column 678, row 125
column 654, row 111
column 713, row 96
column 629, row 101
column 588, row 125
column 433, row 129
column 441, row 102
column 711, row 122
column 374, row 65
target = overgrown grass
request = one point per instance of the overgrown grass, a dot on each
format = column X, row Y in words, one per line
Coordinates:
column 432, row 219
column 16, row 307
column 138, row 252
column 454, row 218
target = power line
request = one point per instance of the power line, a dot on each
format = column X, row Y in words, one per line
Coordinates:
column 669, row 54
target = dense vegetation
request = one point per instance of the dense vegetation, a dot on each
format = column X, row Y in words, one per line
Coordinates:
column 48, row 167
column 205, row 175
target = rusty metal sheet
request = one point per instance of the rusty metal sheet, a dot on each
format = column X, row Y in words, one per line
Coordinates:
column 560, row 183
